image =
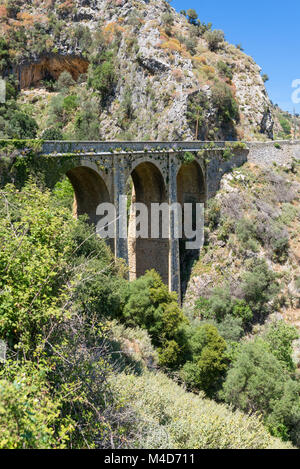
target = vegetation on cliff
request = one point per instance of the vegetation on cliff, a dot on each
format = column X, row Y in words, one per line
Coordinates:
column 138, row 70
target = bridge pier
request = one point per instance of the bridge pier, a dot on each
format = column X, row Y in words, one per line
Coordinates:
column 174, row 261
column 121, row 242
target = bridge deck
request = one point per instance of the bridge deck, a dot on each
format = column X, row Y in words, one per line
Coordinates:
column 59, row 148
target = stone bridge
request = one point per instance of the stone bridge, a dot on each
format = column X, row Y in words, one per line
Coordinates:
column 153, row 172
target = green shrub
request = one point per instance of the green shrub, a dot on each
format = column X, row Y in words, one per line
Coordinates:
column 288, row 213
column 65, row 81
column 220, row 302
column 265, row 77
column 127, row 105
column 62, row 108
column 16, row 124
column 87, row 125
column 213, row 213
column 224, row 70
column 4, row 55
column 52, row 133
column 221, row 305
column 102, row 77
column 184, row 420
column 286, row 126
column 28, row 412
column 231, row 328
column 34, row 294
column 208, row 362
column 70, row 103
column 280, row 336
column 151, row 306
column 192, row 16
column 63, row 193
column 188, row 157
column 197, row 106
column 224, row 102
column 168, row 19
column 214, row 39
column 242, row 311
column 259, row 285
column 258, row 382
column 191, row 44
column 245, row 230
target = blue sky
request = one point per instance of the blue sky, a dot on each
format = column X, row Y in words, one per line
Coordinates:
column 268, row 31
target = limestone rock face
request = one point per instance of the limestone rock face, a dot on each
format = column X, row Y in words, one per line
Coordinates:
column 52, row 66
column 155, row 62
column 267, row 123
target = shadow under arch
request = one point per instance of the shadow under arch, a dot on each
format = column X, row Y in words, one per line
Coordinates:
column 90, row 191
column 191, row 188
column 148, row 186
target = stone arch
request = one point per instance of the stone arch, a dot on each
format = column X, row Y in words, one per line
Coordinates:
column 191, row 188
column 191, row 182
column 90, row 191
column 143, row 254
column 152, row 162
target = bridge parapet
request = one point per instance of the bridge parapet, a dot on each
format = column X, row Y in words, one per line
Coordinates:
column 62, row 147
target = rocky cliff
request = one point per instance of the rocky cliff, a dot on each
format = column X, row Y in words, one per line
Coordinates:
column 180, row 79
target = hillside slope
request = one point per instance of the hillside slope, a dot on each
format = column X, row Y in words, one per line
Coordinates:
column 151, row 72
column 254, row 217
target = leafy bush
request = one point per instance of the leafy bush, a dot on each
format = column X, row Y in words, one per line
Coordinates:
column 213, row 213
column 127, row 105
column 242, row 310
column 101, row 77
column 208, row 362
column 272, row 234
column 150, row 305
column 191, row 44
column 16, row 124
column 259, row 285
column 62, row 108
column 231, row 328
column 168, row 19
column 245, row 230
column 4, row 55
column 280, row 336
column 214, row 39
column 192, row 16
column 286, row 126
column 224, row 102
column 52, row 133
column 87, row 125
column 221, row 304
column 65, row 81
column 28, row 412
column 265, row 77
column 225, row 70
column 258, row 382
column 39, row 240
